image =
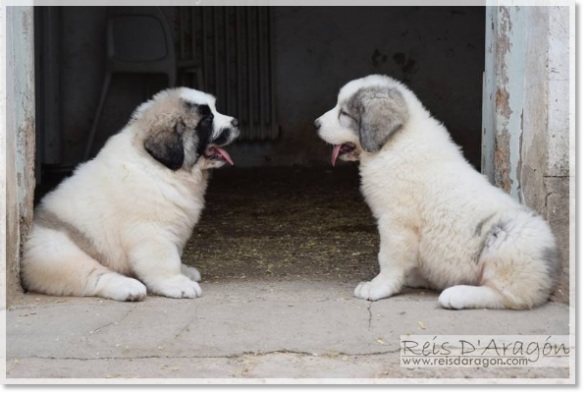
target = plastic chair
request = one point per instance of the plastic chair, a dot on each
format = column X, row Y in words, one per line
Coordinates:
column 139, row 41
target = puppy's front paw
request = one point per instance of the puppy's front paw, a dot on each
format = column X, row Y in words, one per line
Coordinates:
column 177, row 287
column 374, row 290
column 191, row 273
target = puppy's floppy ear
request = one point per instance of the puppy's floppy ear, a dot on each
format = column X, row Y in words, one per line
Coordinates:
column 166, row 146
column 382, row 112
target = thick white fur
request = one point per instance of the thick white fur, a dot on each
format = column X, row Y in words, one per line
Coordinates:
column 429, row 203
column 137, row 213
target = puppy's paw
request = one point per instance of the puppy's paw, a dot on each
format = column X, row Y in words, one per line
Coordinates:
column 191, row 273
column 177, row 287
column 374, row 290
column 454, row 298
column 123, row 289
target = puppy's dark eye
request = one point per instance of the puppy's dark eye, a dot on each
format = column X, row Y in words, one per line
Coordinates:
column 205, row 111
column 345, row 114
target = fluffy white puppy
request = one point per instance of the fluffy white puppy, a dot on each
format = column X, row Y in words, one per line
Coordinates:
column 129, row 211
column 442, row 224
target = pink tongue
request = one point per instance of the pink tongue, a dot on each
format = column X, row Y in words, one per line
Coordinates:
column 335, row 153
column 224, row 155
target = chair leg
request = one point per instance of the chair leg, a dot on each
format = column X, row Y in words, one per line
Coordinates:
column 92, row 136
column 172, row 79
column 199, row 79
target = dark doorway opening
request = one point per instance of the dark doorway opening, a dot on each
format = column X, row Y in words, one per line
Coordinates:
column 282, row 211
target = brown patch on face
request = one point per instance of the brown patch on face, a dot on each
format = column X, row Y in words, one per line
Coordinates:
column 164, row 110
column 166, row 129
column 167, row 146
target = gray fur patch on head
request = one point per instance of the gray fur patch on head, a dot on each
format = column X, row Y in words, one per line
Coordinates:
column 380, row 111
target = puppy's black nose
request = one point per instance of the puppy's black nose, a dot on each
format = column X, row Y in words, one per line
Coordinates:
column 317, row 123
column 235, row 122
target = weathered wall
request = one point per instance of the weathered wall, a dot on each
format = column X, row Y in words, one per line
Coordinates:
column 3, row 163
column 526, row 114
column 20, row 137
column 438, row 51
column 544, row 170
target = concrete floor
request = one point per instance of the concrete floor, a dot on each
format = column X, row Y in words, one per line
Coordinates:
column 280, row 253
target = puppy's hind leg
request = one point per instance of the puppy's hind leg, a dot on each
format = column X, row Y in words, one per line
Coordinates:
column 520, row 263
column 54, row 265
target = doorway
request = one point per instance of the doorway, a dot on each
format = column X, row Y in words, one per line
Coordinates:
column 282, row 210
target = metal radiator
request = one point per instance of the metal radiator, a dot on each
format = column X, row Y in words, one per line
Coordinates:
column 234, row 48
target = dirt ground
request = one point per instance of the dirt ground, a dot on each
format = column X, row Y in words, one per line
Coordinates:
column 284, row 223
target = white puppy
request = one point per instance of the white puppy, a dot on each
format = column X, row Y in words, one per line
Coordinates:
column 441, row 223
column 130, row 211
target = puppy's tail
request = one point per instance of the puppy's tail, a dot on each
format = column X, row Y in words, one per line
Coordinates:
column 520, row 265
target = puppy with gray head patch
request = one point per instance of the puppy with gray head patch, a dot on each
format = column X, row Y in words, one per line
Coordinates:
column 442, row 224
column 118, row 226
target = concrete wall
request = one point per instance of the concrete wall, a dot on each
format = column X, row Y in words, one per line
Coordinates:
column 438, row 51
column 526, row 129
column 20, row 137
column 3, row 165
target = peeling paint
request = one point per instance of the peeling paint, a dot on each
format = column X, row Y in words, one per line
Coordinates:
column 502, row 102
column 505, row 73
column 502, row 161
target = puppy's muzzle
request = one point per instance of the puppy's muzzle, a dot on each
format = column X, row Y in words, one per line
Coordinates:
column 227, row 135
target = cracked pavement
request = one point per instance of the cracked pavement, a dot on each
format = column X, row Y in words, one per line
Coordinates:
column 280, row 259
column 251, row 329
